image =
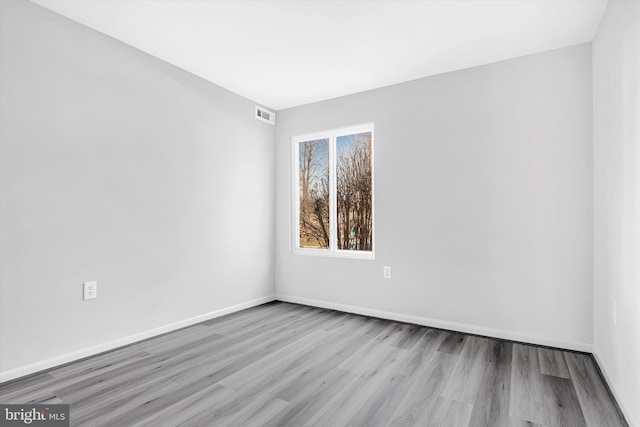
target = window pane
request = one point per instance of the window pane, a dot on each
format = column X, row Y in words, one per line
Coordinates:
column 353, row 192
column 313, row 163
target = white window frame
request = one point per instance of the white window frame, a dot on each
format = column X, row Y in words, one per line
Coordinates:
column 332, row 136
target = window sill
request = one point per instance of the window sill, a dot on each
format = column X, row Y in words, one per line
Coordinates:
column 336, row 254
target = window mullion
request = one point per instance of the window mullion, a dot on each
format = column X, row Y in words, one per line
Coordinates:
column 332, row 194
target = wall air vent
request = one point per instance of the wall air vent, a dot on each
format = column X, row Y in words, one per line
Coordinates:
column 265, row 115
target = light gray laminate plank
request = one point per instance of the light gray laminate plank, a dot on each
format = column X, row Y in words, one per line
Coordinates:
column 239, row 406
column 430, row 383
column 183, row 412
column 376, row 326
column 138, row 409
column 222, row 410
column 210, row 373
column 311, row 397
column 349, row 401
column 453, row 343
column 231, row 362
column 168, row 342
column 270, row 374
column 467, row 375
column 97, row 365
column 42, row 399
column 417, row 415
column 28, row 389
column 476, row 348
column 33, row 394
column 222, row 365
column 242, row 333
column 406, row 336
column 17, row 386
column 206, row 341
column 258, row 320
column 422, row 352
column 596, row 403
column 497, row 349
column 258, row 415
column 126, row 402
column 343, row 320
column 491, row 407
column 513, row 422
column 130, row 376
column 125, row 393
column 371, row 354
column 552, row 362
column 256, row 313
column 448, row 413
column 379, row 407
column 527, row 392
column 562, row 407
column 269, row 338
column 272, row 367
column 314, row 368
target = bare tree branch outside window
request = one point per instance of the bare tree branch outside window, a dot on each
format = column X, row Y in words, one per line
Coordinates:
column 353, row 192
column 314, row 193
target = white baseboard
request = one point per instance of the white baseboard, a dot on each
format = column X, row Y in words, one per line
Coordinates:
column 441, row 324
column 614, row 391
column 111, row 345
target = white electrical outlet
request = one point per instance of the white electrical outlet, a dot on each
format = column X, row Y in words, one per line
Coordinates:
column 614, row 311
column 386, row 272
column 89, row 290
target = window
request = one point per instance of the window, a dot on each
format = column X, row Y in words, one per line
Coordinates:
column 333, row 193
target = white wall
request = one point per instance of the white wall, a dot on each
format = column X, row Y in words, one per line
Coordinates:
column 120, row 168
column 483, row 201
column 616, row 140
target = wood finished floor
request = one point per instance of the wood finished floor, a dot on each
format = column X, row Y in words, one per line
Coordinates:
column 285, row 364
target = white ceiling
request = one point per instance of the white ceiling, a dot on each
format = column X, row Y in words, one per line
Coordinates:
column 287, row 53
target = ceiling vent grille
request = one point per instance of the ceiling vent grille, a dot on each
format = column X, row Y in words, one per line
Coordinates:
column 265, row 115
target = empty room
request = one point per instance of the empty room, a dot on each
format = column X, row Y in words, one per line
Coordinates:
column 320, row 213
